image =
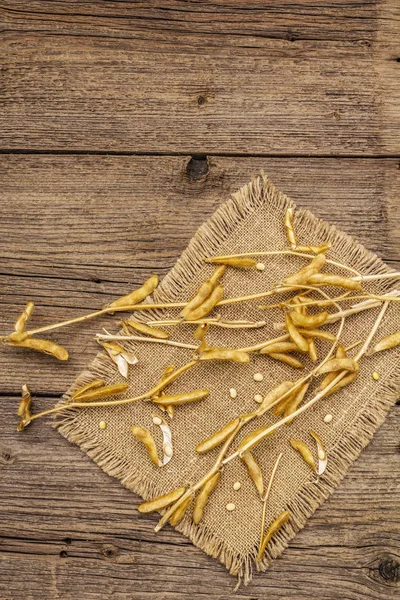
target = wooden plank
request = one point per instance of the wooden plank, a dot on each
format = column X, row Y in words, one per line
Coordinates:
column 71, row 244
column 315, row 80
column 67, row 530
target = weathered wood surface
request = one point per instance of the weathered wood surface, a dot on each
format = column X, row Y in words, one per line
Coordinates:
column 249, row 78
column 315, row 84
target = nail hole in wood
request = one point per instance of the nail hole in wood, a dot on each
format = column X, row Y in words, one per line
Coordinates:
column 63, row 554
column 197, row 167
column 67, row 541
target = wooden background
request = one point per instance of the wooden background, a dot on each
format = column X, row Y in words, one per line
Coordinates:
column 123, row 125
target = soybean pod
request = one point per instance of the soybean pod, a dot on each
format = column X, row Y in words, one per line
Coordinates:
column 207, row 306
column 254, row 471
column 388, row 342
column 203, row 497
column 161, row 501
column 272, row 530
column 294, row 334
column 143, row 435
column 137, row 295
column 218, row 437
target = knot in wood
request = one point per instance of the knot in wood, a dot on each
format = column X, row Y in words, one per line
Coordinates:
column 389, row 570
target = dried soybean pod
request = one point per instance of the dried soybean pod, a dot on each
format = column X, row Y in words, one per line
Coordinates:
column 287, row 359
column 294, row 334
column 143, row 435
column 237, row 263
column 390, row 341
column 137, row 295
column 102, row 392
column 314, row 249
column 290, row 228
column 318, row 333
column 92, row 385
column 272, row 529
column 218, row 437
column 207, row 306
column 23, row 318
column 280, row 407
column 40, row 345
column 203, row 496
column 304, row 273
column 347, row 379
column 180, row 512
column 169, row 409
column 201, row 295
column 201, row 331
column 225, row 354
column 217, row 274
column 334, row 280
column 179, row 399
column 296, row 304
column 295, row 401
column 254, row 471
column 25, row 403
column 340, row 353
column 338, row 364
column 309, row 321
column 154, row 332
column 280, row 347
column 161, row 501
column 251, row 438
column 305, row 452
column 274, row 394
column 312, row 350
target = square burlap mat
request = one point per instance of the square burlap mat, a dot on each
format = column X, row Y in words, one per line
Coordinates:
column 252, row 220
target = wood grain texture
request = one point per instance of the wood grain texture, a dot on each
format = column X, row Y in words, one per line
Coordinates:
column 195, row 84
column 71, row 244
column 192, row 78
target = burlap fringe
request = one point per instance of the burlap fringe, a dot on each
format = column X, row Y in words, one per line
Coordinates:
column 206, row 242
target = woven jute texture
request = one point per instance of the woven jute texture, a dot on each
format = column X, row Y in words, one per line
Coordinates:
column 252, row 220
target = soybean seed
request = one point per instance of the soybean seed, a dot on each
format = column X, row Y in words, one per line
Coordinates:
column 375, row 375
column 233, row 393
column 258, row 376
column 237, row 485
column 167, row 450
column 157, row 420
column 230, row 507
column 260, row 266
column 102, row 425
column 328, row 418
column 258, row 398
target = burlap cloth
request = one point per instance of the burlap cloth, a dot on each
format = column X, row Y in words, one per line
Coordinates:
column 252, row 220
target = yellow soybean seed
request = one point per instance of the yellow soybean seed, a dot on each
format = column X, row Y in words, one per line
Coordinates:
column 44, row 346
column 254, row 471
column 258, row 398
column 237, row 263
column 201, row 295
column 237, row 485
column 102, row 392
column 375, row 375
column 230, row 506
column 157, row 420
column 207, row 306
column 328, row 418
column 294, row 334
column 102, row 425
column 388, row 342
column 339, row 364
column 23, row 318
column 258, row 377
column 154, row 332
column 305, row 452
column 272, row 530
column 161, row 501
column 287, row 359
column 334, row 280
column 203, row 497
column 225, row 354
column 137, row 295
column 233, row 393
column 180, row 512
column 260, row 266
column 218, row 437
column 179, row 399
column 309, row 321
column 274, row 394
column 143, row 435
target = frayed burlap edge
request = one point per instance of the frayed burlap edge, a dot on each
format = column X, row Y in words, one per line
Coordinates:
column 206, row 242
